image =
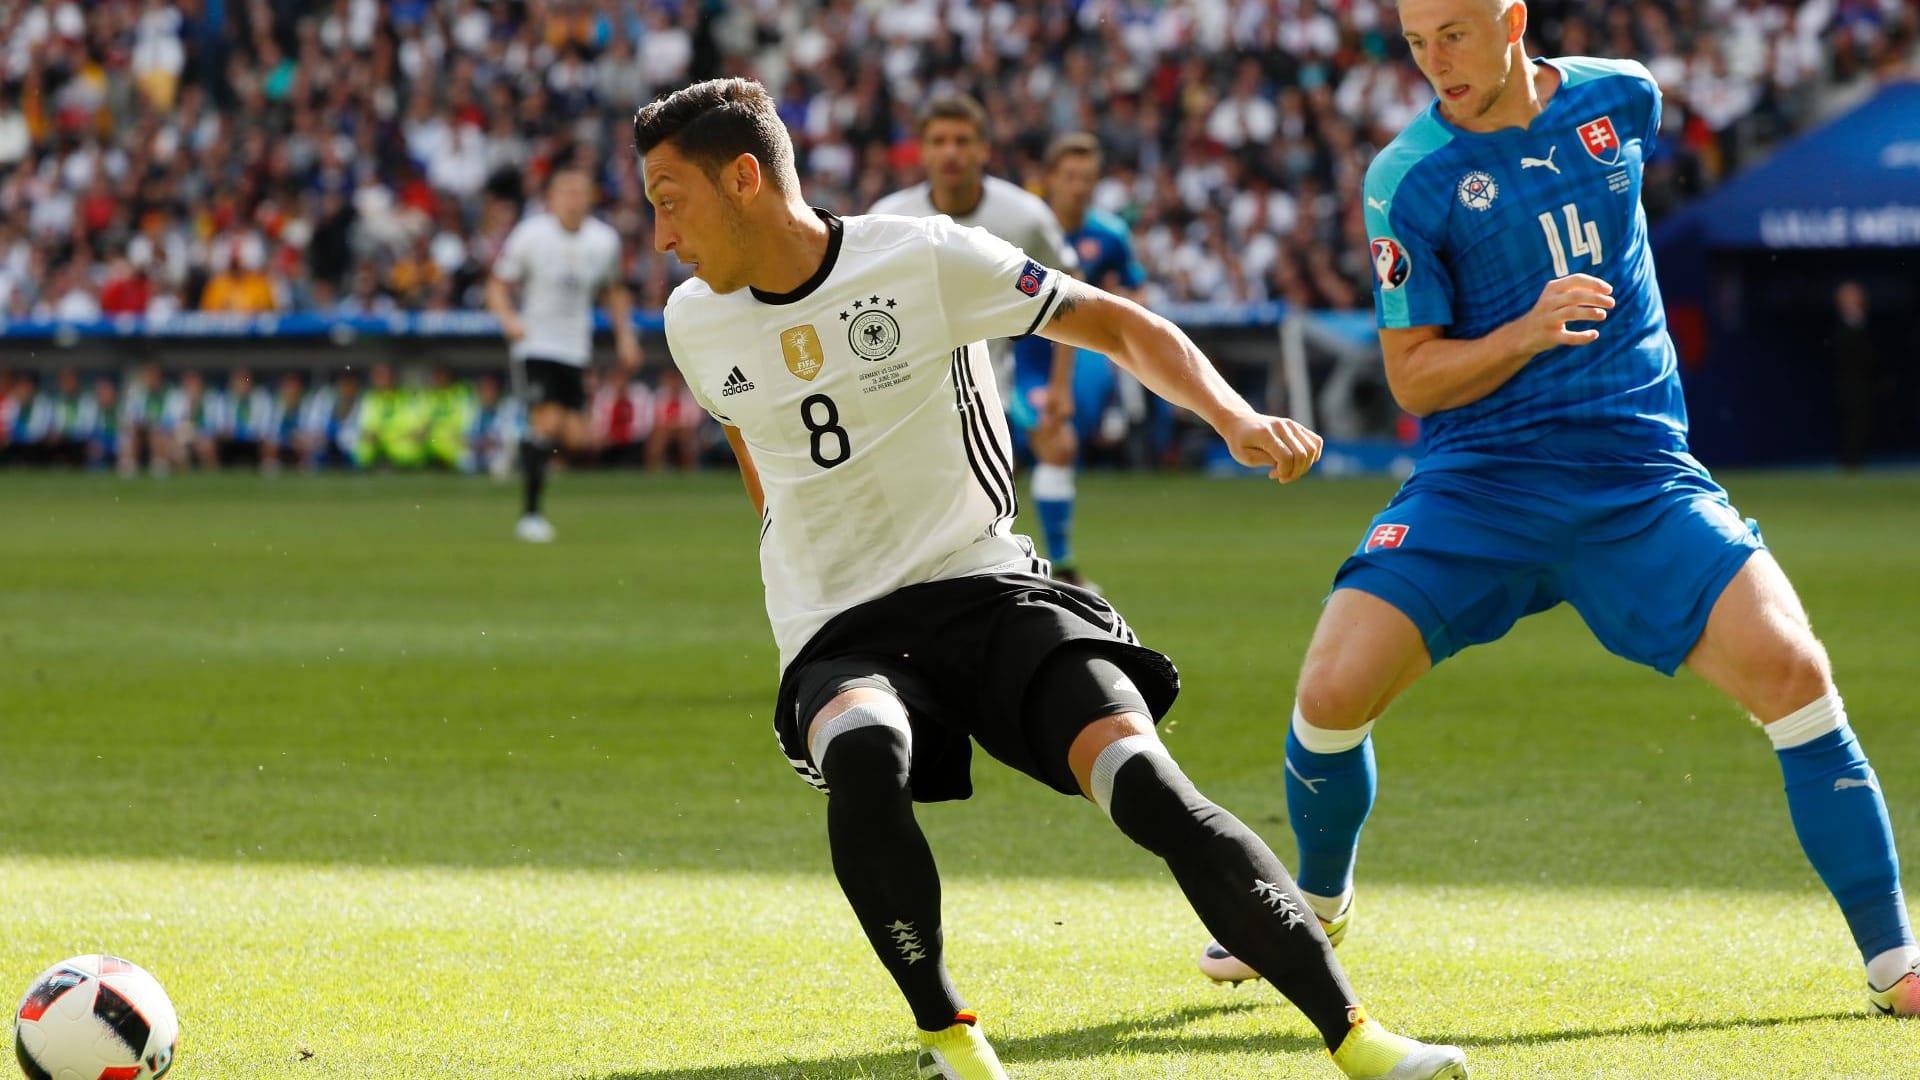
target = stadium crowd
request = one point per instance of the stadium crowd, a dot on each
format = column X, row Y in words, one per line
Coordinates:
column 158, row 425
column 360, row 156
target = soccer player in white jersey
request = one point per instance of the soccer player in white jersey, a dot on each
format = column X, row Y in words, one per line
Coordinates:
column 846, row 360
column 1036, row 374
column 561, row 260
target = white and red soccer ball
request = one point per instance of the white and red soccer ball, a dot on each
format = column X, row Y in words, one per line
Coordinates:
column 95, row 1018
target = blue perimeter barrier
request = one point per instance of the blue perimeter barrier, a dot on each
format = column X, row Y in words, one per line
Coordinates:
column 464, row 324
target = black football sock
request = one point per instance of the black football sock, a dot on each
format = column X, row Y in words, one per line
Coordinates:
column 533, row 463
column 1242, row 894
column 886, row 869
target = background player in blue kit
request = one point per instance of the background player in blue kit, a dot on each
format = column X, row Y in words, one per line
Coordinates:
column 1519, row 315
column 1071, row 398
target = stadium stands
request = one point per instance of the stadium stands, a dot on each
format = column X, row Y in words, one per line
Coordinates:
column 354, row 157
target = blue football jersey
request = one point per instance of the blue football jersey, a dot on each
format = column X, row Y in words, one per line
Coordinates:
column 1467, row 228
column 1105, row 247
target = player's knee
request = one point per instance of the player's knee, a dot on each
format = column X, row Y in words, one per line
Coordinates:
column 865, row 751
column 1796, row 675
column 1150, row 799
column 1334, row 695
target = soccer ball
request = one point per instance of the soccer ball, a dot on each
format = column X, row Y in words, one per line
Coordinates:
column 95, row 1018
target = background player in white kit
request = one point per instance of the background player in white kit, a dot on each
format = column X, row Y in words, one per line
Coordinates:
column 561, row 260
column 954, row 150
column 846, row 360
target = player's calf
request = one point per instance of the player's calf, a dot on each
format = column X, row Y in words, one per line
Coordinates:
column 1840, row 817
column 863, row 746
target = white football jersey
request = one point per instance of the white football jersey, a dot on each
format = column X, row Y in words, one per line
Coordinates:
column 1006, row 210
column 866, row 401
column 559, row 274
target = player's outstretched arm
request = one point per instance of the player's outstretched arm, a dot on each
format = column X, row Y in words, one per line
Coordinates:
column 1163, row 358
column 749, row 474
column 626, row 341
column 500, row 302
column 1430, row 372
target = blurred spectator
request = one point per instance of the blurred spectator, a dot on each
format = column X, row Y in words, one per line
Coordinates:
column 239, row 284
column 101, row 425
column 677, row 417
column 1856, row 370
column 391, row 423
column 281, row 434
column 146, row 428
column 493, row 437
column 193, row 410
column 449, row 415
column 620, row 415
column 242, row 423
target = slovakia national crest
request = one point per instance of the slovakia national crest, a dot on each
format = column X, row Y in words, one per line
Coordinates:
column 1602, row 143
column 1390, row 263
column 1386, row 536
column 1478, row 190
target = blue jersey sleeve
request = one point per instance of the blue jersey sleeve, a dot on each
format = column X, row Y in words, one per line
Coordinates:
column 1132, row 274
column 1411, row 283
column 1651, row 135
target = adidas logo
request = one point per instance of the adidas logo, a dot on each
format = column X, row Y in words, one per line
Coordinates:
column 737, row 383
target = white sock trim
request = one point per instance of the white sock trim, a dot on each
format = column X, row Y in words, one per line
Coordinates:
column 1053, row 483
column 1892, row 966
column 1808, row 723
column 888, row 713
column 1319, row 740
column 1117, row 754
column 1328, row 907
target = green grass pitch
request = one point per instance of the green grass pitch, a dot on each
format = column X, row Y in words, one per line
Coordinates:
column 378, row 792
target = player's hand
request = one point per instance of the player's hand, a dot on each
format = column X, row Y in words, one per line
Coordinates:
column 1283, row 447
column 513, row 328
column 1056, row 407
column 1574, row 298
column 628, row 346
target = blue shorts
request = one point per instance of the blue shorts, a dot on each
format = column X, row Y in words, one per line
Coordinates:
column 1094, row 384
column 1641, row 549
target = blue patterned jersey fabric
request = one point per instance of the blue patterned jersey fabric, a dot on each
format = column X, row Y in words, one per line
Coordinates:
column 1467, row 228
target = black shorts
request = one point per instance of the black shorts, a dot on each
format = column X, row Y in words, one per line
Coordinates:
column 550, row 382
column 961, row 655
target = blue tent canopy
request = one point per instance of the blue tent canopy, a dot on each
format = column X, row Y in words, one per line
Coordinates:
column 1851, row 183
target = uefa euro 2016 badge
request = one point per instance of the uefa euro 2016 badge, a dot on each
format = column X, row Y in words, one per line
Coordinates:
column 1478, row 190
column 1390, row 263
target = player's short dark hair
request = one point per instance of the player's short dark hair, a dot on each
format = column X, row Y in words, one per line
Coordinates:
column 564, row 165
column 1073, row 144
column 953, row 107
column 712, row 123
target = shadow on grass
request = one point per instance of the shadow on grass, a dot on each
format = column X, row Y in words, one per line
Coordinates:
column 1663, row 1027
column 1159, row 1035
column 1142, row 1035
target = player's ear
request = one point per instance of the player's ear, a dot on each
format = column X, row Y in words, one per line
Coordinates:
column 1516, row 21
column 744, row 179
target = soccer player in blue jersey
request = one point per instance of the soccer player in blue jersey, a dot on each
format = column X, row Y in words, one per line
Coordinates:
column 1520, row 317
column 1072, row 394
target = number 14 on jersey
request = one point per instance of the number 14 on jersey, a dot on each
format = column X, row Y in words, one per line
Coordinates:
column 1583, row 238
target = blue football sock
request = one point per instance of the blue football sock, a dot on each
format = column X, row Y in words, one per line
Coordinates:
column 1841, row 819
column 1328, row 799
column 1053, row 495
